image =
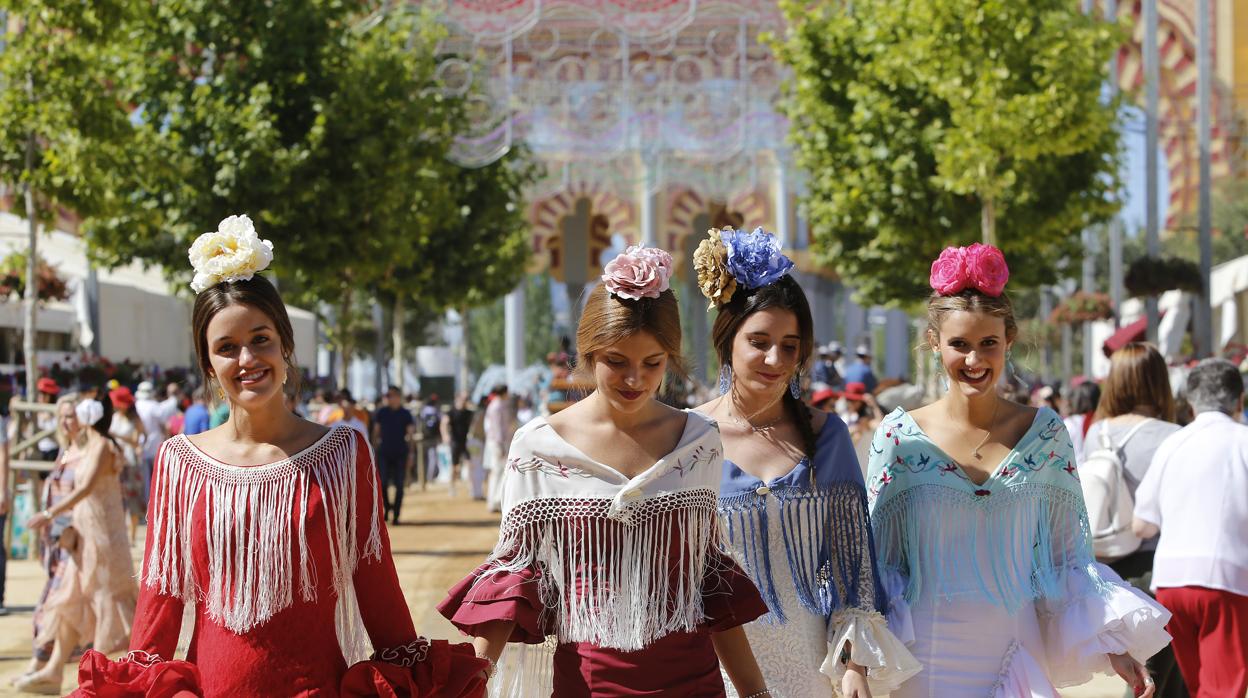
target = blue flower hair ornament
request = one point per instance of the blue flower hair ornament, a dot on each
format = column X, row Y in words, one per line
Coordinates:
column 754, row 258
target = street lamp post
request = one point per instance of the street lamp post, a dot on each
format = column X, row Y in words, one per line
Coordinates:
column 1204, row 313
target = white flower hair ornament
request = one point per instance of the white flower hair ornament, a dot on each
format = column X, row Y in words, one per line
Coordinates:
column 638, row 272
column 232, row 253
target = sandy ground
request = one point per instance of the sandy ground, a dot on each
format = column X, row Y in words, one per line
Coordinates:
column 439, row 541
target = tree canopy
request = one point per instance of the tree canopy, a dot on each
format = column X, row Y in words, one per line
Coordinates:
column 934, row 122
column 333, row 134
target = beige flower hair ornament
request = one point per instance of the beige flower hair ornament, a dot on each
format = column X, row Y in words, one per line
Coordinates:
column 234, row 252
column 710, row 261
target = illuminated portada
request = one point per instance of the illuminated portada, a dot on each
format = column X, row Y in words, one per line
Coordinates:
column 996, row 583
column 625, row 577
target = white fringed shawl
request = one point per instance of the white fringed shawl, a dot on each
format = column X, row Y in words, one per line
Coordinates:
column 254, row 518
column 623, row 561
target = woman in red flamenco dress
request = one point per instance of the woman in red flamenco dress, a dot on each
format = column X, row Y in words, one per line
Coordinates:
column 266, row 532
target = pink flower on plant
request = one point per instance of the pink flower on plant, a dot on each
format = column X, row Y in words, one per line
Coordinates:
column 987, row 269
column 949, row 271
column 638, row 272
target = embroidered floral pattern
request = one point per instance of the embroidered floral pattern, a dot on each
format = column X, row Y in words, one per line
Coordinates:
column 700, row 455
column 545, row 467
column 143, row 658
column 1048, row 456
column 408, row 655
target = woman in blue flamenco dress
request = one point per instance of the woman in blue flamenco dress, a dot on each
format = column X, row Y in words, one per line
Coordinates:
column 980, row 524
column 792, row 499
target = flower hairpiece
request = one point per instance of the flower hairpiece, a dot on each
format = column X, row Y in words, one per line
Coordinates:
column 638, row 272
column 980, row 267
column 729, row 258
column 232, row 253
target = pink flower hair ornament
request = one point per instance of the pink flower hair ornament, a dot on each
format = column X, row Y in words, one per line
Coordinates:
column 980, row 267
column 638, row 272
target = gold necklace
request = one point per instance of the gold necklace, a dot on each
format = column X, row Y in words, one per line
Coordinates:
column 748, row 421
column 996, row 407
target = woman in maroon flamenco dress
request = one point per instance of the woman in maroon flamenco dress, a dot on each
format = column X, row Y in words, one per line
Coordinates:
column 609, row 572
column 267, row 531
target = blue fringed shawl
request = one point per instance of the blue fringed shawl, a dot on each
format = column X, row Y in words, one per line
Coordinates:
column 1014, row 539
column 824, row 526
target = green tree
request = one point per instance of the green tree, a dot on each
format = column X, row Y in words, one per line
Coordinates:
column 329, row 129
column 64, row 133
column 935, row 122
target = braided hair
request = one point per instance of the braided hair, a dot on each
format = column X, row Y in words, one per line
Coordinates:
column 787, row 294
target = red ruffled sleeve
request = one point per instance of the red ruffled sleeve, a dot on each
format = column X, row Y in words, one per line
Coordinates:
column 729, row 598
column 484, row 596
column 421, row 668
column 137, row 675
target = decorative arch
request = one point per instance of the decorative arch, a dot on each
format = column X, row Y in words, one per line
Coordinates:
column 1176, row 27
column 686, row 207
column 608, row 215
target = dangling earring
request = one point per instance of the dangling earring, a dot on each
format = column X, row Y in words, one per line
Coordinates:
column 938, row 369
column 1009, row 364
column 795, row 386
column 725, row 379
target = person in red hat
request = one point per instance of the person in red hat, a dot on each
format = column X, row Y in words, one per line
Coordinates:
column 46, row 391
column 824, row 399
column 127, row 429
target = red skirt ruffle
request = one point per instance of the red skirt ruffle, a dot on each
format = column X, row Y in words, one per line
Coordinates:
column 130, row 678
column 426, row 668
column 729, row 597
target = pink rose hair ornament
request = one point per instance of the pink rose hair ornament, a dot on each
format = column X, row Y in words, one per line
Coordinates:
column 979, row 267
column 638, row 272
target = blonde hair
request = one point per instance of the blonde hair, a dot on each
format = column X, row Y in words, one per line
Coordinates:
column 607, row 320
column 62, row 434
column 1138, row 377
column 971, row 301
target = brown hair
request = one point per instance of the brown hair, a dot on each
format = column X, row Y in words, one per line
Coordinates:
column 608, row 319
column 787, row 294
column 257, row 293
column 971, row 301
column 1138, row 377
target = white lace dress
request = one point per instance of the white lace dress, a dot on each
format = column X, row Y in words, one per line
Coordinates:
column 805, row 541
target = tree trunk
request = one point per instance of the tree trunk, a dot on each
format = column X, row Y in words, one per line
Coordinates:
column 465, row 342
column 988, row 221
column 396, row 340
column 344, row 337
column 30, row 327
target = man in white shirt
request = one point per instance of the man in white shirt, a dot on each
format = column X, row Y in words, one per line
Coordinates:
column 1196, row 494
column 154, row 432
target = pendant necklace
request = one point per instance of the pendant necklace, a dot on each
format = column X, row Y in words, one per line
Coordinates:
column 995, row 408
column 747, row 422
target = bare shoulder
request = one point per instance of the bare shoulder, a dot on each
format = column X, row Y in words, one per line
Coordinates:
column 922, row 414
column 568, row 416
column 707, row 408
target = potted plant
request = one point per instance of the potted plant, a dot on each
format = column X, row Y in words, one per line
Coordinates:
column 1083, row 306
column 1153, row 276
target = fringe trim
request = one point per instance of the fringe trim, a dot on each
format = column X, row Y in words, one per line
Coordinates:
column 252, row 531
column 1035, row 536
column 827, row 545
column 618, row 582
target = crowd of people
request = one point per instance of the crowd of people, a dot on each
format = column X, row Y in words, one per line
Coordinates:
column 808, row 530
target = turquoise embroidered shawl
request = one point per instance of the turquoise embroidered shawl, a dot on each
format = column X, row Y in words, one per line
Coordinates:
column 1014, row 539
